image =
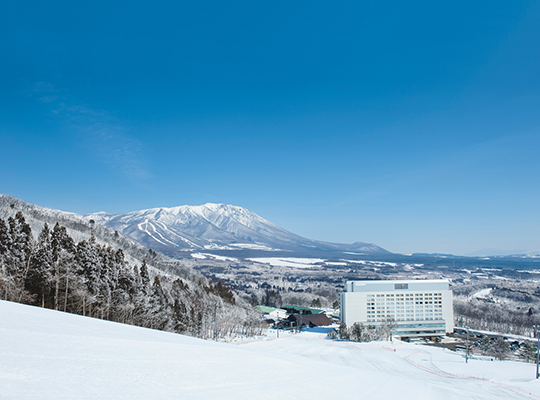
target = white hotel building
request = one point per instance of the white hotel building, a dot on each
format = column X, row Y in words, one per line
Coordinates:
column 419, row 307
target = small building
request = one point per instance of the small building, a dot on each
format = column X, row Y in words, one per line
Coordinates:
column 305, row 320
column 269, row 322
column 418, row 307
column 301, row 310
column 275, row 313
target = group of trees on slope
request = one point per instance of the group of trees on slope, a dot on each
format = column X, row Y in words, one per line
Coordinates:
column 495, row 317
column 95, row 280
column 358, row 332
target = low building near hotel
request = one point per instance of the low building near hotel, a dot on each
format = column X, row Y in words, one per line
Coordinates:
column 418, row 307
column 276, row 313
column 301, row 310
column 299, row 321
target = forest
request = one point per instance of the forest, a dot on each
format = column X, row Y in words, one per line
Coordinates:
column 52, row 270
column 509, row 307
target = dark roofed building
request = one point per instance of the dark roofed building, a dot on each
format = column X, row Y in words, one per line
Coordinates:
column 301, row 310
column 307, row 320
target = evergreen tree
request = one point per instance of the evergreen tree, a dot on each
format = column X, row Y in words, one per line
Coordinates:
column 18, row 257
column 180, row 316
column 63, row 256
column 343, row 332
column 499, row 348
column 137, row 279
column 5, row 246
column 5, row 240
column 87, row 261
column 357, row 332
column 159, row 305
column 145, row 277
column 126, row 282
column 41, row 270
column 527, row 351
column 20, row 244
column 87, row 258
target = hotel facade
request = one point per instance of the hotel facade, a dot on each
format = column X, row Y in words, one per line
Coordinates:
column 419, row 307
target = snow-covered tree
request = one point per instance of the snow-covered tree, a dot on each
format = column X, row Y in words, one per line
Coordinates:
column 95, row 280
column 527, row 351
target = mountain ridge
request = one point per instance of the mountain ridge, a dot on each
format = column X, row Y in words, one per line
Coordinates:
column 214, row 226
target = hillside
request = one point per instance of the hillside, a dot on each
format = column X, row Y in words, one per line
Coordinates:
column 48, row 354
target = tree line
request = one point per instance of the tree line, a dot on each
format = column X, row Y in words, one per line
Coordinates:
column 494, row 317
column 95, row 280
column 358, row 332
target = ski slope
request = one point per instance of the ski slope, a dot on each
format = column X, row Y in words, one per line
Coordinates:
column 48, row 354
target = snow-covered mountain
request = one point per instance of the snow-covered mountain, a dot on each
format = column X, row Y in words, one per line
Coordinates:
column 215, row 227
column 505, row 253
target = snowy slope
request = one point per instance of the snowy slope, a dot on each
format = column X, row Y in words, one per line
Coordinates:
column 214, row 227
column 49, row 354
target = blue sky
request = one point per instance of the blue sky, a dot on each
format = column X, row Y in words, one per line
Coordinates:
column 412, row 125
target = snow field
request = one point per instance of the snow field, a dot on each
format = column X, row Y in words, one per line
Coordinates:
column 49, row 354
column 293, row 262
column 203, row 256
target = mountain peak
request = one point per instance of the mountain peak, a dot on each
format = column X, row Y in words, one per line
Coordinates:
column 213, row 226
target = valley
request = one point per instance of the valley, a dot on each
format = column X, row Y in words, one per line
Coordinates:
column 307, row 272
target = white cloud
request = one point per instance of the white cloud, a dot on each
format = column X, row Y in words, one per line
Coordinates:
column 100, row 132
column 113, row 147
